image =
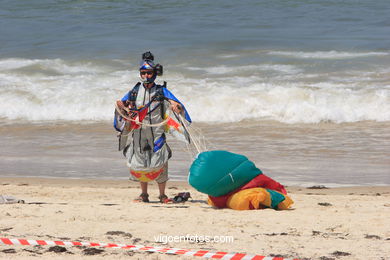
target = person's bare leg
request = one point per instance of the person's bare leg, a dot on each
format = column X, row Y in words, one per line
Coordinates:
column 161, row 187
column 144, row 192
column 144, row 187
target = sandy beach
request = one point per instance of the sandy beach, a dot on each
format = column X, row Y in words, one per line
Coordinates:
column 324, row 223
column 301, row 88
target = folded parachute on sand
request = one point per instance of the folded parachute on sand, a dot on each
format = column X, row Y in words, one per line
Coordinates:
column 232, row 181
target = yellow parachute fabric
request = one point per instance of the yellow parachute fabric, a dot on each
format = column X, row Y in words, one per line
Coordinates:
column 254, row 198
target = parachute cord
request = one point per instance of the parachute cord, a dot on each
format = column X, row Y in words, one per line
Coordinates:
column 194, row 140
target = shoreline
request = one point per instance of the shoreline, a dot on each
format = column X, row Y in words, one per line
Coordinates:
column 123, row 183
column 324, row 223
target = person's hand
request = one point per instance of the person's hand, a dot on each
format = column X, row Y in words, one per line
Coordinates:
column 176, row 107
column 128, row 105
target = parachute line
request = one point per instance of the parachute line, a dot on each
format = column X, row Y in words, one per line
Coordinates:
column 197, row 140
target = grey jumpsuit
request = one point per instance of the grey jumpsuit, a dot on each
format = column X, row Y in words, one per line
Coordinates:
column 142, row 153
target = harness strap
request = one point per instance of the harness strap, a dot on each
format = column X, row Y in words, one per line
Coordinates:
column 133, row 93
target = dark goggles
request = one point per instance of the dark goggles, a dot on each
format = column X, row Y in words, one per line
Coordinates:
column 146, row 72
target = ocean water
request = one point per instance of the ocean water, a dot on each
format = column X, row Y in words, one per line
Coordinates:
column 244, row 69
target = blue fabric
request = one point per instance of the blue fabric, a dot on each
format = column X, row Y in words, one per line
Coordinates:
column 125, row 97
column 169, row 95
column 159, row 143
column 116, row 124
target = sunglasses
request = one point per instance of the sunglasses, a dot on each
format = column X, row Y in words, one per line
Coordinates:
column 146, row 72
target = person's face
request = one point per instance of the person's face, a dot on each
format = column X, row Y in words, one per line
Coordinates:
column 146, row 74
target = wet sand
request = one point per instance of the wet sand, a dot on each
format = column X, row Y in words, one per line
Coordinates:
column 324, row 223
column 329, row 154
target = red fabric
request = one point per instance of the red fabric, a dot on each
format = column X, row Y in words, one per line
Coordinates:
column 173, row 123
column 266, row 182
column 260, row 180
column 141, row 115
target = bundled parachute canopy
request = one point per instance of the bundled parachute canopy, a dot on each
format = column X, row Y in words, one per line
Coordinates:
column 232, row 181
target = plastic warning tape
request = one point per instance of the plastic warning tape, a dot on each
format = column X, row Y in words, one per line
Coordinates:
column 173, row 251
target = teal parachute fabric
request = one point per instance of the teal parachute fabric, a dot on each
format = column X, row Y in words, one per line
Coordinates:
column 276, row 198
column 218, row 172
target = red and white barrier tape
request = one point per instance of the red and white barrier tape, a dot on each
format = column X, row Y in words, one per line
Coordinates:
column 174, row 251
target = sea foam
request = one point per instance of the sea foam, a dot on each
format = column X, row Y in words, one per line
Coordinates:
column 47, row 90
column 327, row 54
